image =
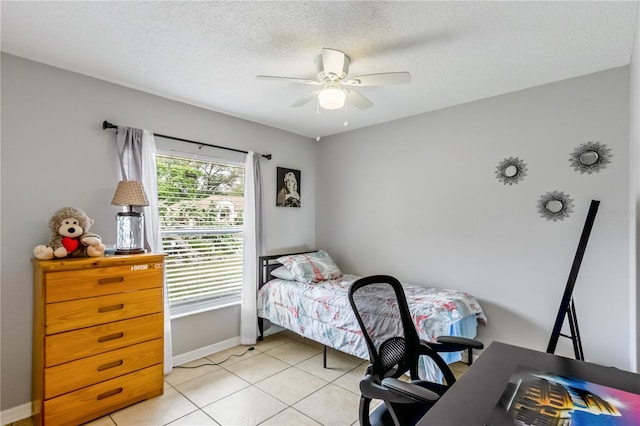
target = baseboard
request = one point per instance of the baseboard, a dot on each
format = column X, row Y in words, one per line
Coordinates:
column 14, row 414
column 204, row 351
column 217, row 347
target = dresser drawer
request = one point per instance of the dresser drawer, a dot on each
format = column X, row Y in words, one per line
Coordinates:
column 74, row 314
column 83, row 283
column 84, row 372
column 64, row 347
column 88, row 403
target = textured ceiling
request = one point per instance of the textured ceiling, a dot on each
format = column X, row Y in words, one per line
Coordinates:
column 209, row 53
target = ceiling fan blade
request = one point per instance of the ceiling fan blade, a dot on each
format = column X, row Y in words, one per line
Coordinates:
column 305, row 99
column 290, row 79
column 334, row 63
column 382, row 79
column 357, row 100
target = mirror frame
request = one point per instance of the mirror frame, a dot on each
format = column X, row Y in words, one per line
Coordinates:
column 600, row 149
column 521, row 170
column 564, row 199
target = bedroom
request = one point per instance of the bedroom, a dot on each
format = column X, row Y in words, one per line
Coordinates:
column 421, row 189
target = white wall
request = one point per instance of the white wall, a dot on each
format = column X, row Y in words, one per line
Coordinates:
column 55, row 153
column 418, row 198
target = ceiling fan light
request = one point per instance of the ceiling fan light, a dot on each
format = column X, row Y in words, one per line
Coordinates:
column 332, row 98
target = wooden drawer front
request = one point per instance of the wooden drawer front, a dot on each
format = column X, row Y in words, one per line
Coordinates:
column 74, row 375
column 94, row 401
column 66, row 347
column 82, row 283
column 71, row 315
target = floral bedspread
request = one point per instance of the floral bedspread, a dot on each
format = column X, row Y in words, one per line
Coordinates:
column 321, row 312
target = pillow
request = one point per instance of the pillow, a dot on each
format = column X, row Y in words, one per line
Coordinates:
column 311, row 267
column 283, row 273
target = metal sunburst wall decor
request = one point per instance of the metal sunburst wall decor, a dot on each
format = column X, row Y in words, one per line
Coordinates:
column 555, row 205
column 590, row 157
column 511, row 170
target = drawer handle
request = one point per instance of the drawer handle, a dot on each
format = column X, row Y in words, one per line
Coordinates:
column 108, row 337
column 110, row 308
column 107, row 394
column 109, row 365
column 111, row 280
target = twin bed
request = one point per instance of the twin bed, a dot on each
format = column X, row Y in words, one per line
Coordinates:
column 308, row 294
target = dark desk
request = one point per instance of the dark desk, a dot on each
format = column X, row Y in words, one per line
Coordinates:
column 472, row 399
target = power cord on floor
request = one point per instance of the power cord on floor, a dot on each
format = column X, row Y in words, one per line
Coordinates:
column 217, row 363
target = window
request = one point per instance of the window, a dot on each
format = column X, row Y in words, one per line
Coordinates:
column 201, row 205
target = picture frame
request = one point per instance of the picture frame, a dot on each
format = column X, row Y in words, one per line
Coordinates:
column 288, row 187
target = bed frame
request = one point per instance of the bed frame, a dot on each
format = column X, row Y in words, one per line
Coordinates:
column 266, row 264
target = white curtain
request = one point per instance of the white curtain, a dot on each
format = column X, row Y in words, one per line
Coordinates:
column 137, row 152
column 253, row 246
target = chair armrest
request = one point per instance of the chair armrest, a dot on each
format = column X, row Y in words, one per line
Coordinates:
column 454, row 344
column 410, row 390
column 398, row 391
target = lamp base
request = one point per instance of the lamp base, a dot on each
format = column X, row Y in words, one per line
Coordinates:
column 131, row 251
column 129, row 233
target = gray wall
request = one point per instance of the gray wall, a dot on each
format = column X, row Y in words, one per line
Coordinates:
column 634, row 159
column 55, row 153
column 418, row 198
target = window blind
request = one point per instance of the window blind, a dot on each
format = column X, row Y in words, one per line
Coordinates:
column 201, row 206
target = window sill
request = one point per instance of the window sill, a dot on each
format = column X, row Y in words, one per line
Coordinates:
column 198, row 308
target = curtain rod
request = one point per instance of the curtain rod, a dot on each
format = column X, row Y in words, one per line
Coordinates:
column 107, row 125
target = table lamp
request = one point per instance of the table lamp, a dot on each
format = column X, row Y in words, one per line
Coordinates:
column 130, row 224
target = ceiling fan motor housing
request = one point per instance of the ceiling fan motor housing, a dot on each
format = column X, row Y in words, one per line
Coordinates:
column 332, row 65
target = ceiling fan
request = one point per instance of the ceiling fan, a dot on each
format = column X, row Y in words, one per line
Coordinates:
column 333, row 69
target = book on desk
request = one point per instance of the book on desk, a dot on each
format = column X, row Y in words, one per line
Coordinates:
column 534, row 397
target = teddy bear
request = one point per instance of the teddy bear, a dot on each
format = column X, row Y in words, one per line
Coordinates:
column 70, row 236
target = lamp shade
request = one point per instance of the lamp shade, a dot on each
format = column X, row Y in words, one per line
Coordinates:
column 130, row 193
column 332, row 97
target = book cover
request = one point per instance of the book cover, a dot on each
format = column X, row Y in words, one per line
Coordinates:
column 539, row 398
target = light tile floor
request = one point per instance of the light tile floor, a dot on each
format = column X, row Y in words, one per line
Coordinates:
column 281, row 382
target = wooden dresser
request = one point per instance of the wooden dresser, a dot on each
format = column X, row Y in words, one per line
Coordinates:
column 98, row 336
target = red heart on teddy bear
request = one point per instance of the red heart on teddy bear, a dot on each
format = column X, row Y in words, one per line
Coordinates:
column 70, row 244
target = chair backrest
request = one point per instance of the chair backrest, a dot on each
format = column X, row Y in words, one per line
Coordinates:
column 381, row 309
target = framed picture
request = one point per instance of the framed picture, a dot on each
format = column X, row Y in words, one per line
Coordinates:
column 288, row 188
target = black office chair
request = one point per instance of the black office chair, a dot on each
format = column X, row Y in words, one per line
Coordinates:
column 394, row 349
